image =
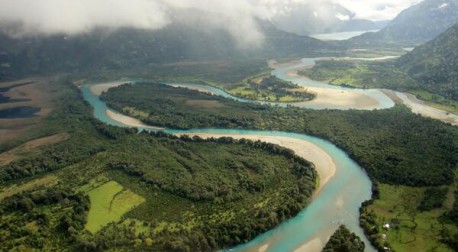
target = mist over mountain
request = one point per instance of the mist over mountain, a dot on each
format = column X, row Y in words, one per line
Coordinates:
column 188, row 37
column 436, row 63
column 316, row 17
column 416, row 25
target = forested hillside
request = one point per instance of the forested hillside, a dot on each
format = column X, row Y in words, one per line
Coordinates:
column 435, row 64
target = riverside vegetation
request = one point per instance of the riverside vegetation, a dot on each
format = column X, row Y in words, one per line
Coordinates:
column 344, row 241
column 396, row 147
column 429, row 72
column 119, row 189
column 385, row 74
column 269, row 88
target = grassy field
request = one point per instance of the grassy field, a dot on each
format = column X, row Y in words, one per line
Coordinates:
column 109, row 202
column 411, row 229
column 265, row 87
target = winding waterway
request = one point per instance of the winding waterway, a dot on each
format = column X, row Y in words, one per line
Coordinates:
column 336, row 203
column 338, row 200
column 336, row 97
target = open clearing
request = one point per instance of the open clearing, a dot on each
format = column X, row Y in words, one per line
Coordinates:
column 109, row 202
column 417, row 230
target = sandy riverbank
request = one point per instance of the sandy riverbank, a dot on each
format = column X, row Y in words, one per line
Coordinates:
column 353, row 99
column 100, row 88
column 273, row 64
column 419, row 107
column 129, row 121
column 324, row 164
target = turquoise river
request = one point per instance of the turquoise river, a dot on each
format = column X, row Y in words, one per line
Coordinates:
column 337, row 203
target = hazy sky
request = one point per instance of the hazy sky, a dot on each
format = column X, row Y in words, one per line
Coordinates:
column 236, row 16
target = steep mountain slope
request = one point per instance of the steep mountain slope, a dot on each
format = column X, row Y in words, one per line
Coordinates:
column 435, row 64
column 416, row 24
column 130, row 48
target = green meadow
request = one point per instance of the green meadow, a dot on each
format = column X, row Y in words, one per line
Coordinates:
column 109, row 202
column 411, row 229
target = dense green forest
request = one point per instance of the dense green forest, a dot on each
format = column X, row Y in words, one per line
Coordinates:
column 166, row 192
column 393, row 145
column 344, row 241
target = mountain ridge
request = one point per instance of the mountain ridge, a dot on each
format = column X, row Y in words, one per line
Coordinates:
column 415, row 25
column 130, row 48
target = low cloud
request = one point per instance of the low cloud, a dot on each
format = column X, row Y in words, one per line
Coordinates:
column 238, row 17
column 32, row 17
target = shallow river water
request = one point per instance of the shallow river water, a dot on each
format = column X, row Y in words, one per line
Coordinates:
column 339, row 200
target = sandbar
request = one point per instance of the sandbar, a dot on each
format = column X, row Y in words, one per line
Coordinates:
column 324, row 164
column 129, row 121
column 350, row 99
column 100, row 88
column 419, row 107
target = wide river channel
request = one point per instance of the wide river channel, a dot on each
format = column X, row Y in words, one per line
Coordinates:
column 337, row 202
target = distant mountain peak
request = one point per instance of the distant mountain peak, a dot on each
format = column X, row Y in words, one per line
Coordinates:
column 417, row 24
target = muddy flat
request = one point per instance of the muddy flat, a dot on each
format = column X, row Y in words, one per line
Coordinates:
column 32, row 92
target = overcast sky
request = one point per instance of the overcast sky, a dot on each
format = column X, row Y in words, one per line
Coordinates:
column 236, row 16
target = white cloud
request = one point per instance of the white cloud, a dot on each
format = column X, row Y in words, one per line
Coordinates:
column 238, row 17
column 363, row 9
column 342, row 17
column 376, row 9
column 444, row 5
column 79, row 16
column 55, row 16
